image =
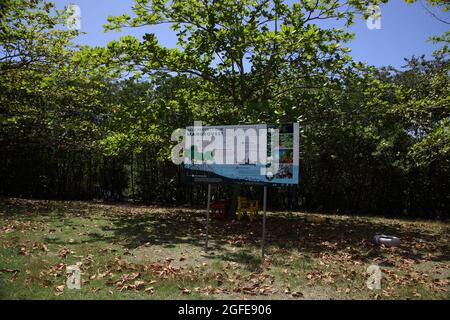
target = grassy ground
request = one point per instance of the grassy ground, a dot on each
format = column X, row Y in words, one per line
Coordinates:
column 137, row 252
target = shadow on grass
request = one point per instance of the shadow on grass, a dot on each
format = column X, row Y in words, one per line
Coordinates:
column 283, row 233
column 240, row 241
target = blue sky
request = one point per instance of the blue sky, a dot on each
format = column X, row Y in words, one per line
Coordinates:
column 404, row 30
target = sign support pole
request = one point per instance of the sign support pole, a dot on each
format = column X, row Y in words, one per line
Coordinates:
column 264, row 224
column 207, row 216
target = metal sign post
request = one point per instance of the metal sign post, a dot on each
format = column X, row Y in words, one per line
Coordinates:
column 264, row 224
column 207, row 216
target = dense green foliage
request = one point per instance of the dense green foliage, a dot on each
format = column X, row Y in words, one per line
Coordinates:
column 81, row 122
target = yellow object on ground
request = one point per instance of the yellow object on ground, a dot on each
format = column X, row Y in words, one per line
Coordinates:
column 315, row 219
column 250, row 207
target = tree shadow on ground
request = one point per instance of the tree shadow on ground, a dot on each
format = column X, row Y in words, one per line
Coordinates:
column 134, row 226
column 284, row 232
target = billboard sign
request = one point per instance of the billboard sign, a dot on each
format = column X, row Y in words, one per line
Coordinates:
column 247, row 154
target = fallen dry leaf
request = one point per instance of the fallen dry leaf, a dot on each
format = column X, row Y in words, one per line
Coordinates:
column 23, row 251
column 8, row 270
column 138, row 284
column 149, row 290
column 59, row 288
column 185, row 291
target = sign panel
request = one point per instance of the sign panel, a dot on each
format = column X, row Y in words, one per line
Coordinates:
column 247, row 154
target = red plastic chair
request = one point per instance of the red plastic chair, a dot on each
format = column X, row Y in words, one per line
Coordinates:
column 218, row 209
